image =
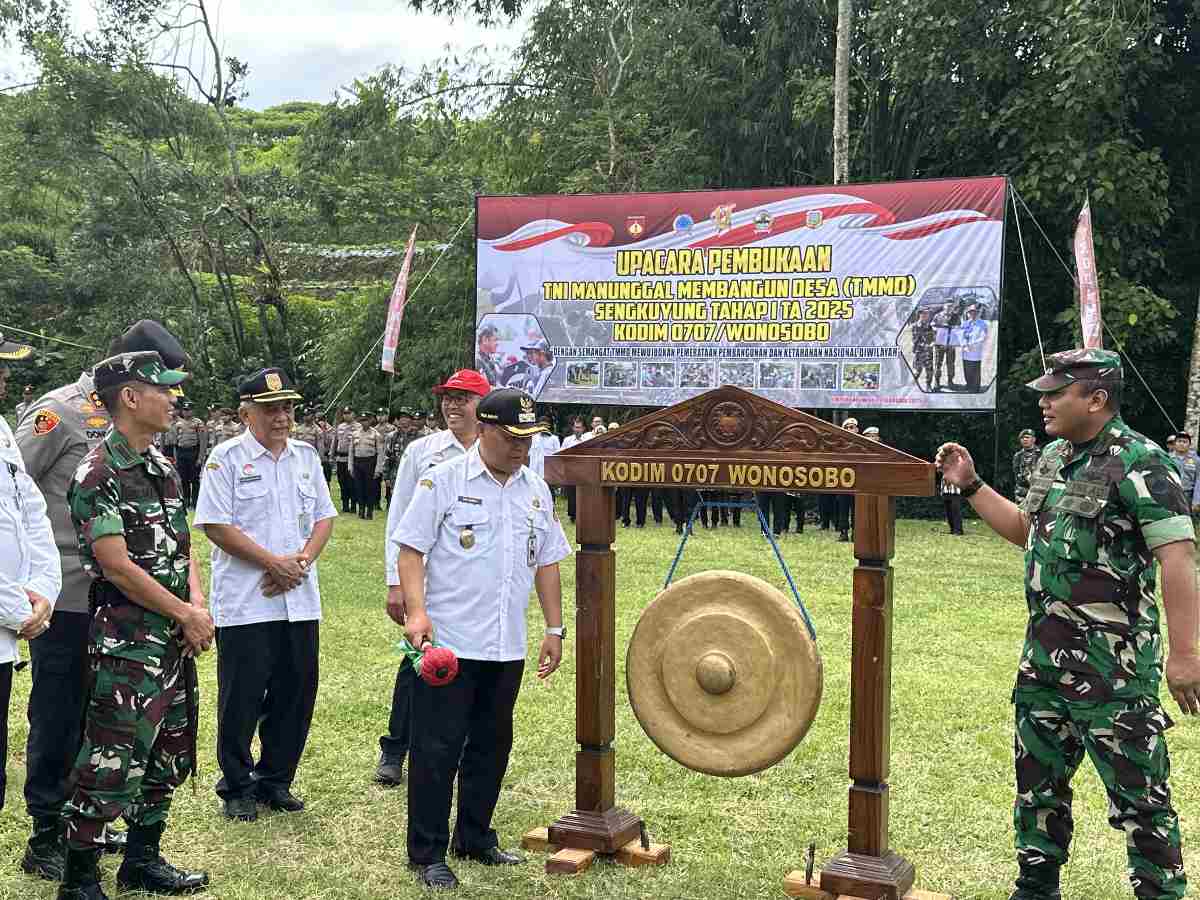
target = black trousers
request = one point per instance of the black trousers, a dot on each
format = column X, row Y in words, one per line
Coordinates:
column 658, row 501
column 327, row 468
column 971, row 373
column 366, row 486
column 953, row 504
column 844, row 507
column 779, row 504
column 470, row 719
column 345, row 476
column 638, row 497
column 827, row 509
column 396, row 741
column 569, row 490
column 6, row 670
column 187, row 460
column 266, row 679
column 59, row 665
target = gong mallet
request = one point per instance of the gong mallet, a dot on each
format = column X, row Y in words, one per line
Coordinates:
column 436, row 666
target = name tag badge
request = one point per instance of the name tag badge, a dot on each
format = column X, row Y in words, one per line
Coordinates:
column 474, row 501
column 246, row 479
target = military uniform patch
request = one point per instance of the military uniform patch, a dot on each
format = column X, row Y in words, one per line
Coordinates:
column 45, row 422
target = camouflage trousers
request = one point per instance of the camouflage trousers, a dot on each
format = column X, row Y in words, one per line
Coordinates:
column 1125, row 741
column 136, row 747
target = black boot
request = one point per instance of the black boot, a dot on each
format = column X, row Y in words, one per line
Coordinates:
column 45, row 855
column 1037, row 883
column 145, row 870
column 82, row 879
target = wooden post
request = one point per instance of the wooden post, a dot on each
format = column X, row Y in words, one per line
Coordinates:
column 595, row 823
column 868, row 867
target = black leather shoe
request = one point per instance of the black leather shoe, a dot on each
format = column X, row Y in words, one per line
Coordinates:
column 279, row 799
column 241, row 809
column 114, row 841
column 45, row 855
column 390, row 771
column 437, row 875
column 81, row 879
column 492, row 856
column 844, row 538
column 144, row 869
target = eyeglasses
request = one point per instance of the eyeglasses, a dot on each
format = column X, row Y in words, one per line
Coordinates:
column 456, row 399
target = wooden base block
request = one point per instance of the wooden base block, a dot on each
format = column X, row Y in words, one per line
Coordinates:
column 570, row 862
column 634, row 855
column 915, row 894
column 888, row 877
column 537, row 840
column 795, row 886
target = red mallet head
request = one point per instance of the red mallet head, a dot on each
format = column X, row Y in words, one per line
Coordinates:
column 439, row 665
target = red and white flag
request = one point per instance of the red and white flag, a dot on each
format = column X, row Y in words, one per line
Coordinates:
column 391, row 334
column 1089, row 283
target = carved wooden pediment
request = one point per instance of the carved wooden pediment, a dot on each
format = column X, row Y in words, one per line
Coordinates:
column 729, row 428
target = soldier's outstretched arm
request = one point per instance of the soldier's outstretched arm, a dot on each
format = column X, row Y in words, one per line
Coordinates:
column 1002, row 515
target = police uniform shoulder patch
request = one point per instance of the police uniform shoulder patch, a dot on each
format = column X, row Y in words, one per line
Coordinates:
column 45, row 422
column 425, row 483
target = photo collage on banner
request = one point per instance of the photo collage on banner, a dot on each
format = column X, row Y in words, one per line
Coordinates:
column 882, row 296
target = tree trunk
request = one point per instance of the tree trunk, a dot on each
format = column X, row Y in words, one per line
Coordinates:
column 1191, row 415
column 841, row 95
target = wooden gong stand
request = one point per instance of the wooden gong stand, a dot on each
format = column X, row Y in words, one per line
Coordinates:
column 724, row 439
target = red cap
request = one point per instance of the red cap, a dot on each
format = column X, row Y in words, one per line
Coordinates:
column 465, row 380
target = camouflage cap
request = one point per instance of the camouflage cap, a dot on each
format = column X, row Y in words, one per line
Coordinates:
column 1026, row 432
column 146, row 366
column 1071, row 366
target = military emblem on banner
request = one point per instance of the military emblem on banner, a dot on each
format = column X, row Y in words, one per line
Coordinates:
column 763, row 222
column 722, row 216
column 635, row 225
column 814, row 218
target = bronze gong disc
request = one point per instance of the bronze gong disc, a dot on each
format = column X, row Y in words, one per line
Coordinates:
column 722, row 673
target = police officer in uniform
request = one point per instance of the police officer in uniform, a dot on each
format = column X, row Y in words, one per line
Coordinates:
column 1104, row 510
column 55, row 434
column 367, row 454
column 479, row 534
column 190, row 440
column 458, row 396
column 343, row 440
column 149, row 621
column 265, row 506
column 404, row 434
column 30, row 571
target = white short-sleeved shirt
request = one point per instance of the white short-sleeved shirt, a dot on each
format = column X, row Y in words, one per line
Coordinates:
column 484, row 542
column 28, row 558
column 419, row 457
column 543, row 445
column 275, row 503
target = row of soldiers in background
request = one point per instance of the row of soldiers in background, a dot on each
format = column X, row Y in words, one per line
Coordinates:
column 366, row 451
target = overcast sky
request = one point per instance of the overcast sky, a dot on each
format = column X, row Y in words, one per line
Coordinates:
column 307, row 49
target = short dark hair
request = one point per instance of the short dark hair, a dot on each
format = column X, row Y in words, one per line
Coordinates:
column 1114, row 389
column 486, row 331
column 110, row 396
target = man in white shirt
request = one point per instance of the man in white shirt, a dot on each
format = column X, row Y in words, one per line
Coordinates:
column 479, row 533
column 577, row 436
column 30, row 570
column 265, row 506
column 458, row 396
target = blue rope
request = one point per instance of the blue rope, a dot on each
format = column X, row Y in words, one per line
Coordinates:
column 766, row 529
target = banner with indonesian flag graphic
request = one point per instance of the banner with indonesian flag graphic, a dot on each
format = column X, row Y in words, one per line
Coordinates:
column 391, row 334
column 1089, row 283
column 878, row 296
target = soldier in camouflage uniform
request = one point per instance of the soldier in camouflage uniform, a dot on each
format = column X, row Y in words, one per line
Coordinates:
column 1024, row 462
column 1104, row 505
column 149, row 620
column 922, row 343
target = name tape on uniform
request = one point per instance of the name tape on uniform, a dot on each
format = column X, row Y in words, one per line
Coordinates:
column 727, row 474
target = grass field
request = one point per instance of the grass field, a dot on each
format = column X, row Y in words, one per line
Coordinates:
column 959, row 619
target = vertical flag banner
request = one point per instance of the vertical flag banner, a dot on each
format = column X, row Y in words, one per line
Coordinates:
column 876, row 296
column 391, row 334
column 1089, row 283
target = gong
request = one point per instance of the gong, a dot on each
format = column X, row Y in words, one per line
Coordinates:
column 723, row 674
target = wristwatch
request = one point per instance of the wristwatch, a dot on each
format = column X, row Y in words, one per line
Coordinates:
column 970, row 489
column 560, row 632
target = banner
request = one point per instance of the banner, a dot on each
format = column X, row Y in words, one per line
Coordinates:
column 878, row 296
column 1089, row 283
column 391, row 333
